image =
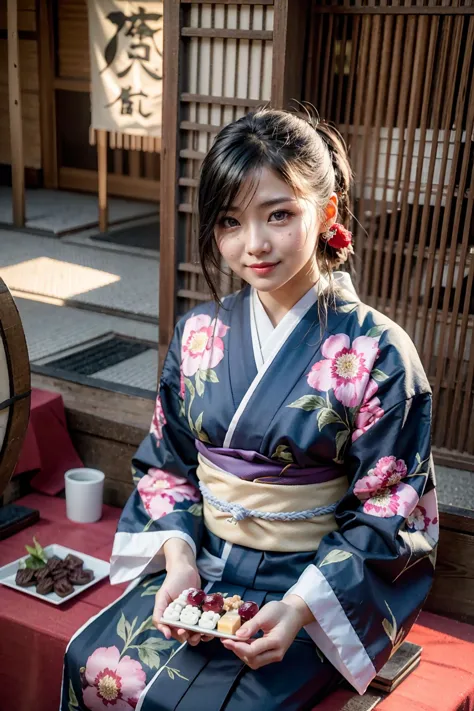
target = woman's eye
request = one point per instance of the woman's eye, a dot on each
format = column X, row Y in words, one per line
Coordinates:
column 228, row 222
column 280, row 215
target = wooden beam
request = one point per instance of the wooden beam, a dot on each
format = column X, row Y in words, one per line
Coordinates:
column 288, row 52
column 49, row 156
column 16, row 124
column 102, row 171
column 229, row 2
column 393, row 10
column 119, row 185
column 218, row 33
column 169, row 175
column 220, row 100
column 452, row 594
column 81, row 85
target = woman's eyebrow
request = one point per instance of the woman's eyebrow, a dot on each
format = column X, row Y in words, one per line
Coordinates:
column 268, row 203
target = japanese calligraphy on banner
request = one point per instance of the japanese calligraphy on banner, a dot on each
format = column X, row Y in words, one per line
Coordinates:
column 126, row 49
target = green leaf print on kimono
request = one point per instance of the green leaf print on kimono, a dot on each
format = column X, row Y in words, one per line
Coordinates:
column 346, row 370
column 73, row 702
column 395, row 635
column 202, row 349
column 113, row 678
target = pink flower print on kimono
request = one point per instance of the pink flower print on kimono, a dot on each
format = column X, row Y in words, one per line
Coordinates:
column 424, row 517
column 111, row 681
column 383, row 492
column 202, row 345
column 160, row 492
column 369, row 413
column 347, row 367
column 158, row 421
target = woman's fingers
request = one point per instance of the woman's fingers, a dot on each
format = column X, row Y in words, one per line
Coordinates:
column 246, row 651
column 255, row 655
column 270, row 657
column 165, row 631
column 194, row 639
column 162, row 601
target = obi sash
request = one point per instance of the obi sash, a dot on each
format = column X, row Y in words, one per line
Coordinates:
column 286, row 517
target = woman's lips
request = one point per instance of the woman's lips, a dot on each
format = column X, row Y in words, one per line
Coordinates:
column 263, row 268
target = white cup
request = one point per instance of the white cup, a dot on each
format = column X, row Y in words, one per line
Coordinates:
column 84, row 489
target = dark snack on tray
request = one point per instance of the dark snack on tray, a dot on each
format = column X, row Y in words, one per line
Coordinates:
column 42, row 573
column 45, row 586
column 54, row 562
column 73, row 561
column 80, row 577
column 25, row 577
column 63, row 587
column 52, row 574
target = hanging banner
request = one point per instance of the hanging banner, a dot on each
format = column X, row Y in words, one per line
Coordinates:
column 126, row 51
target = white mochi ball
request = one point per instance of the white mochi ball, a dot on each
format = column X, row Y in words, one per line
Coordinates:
column 183, row 598
column 172, row 612
column 190, row 615
column 209, row 620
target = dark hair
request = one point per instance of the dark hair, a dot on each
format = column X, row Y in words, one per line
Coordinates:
column 308, row 154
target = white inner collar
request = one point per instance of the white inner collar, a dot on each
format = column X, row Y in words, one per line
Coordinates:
column 265, row 336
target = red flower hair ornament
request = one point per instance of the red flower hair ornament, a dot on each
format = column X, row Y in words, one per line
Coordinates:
column 338, row 237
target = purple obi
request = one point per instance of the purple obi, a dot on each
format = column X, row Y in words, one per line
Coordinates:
column 251, row 466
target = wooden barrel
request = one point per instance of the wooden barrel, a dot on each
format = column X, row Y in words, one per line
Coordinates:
column 14, row 386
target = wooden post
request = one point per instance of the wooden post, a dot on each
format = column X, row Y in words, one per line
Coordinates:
column 102, row 171
column 288, row 52
column 49, row 158
column 169, row 175
column 16, row 124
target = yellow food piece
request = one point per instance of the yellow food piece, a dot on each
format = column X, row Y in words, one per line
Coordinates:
column 229, row 623
column 233, row 603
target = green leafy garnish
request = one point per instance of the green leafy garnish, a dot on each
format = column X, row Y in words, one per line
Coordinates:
column 37, row 558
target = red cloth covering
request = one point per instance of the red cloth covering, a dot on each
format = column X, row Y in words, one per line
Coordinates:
column 34, row 634
column 444, row 679
column 47, row 447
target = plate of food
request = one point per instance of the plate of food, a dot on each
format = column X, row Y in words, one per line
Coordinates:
column 54, row 574
column 214, row 615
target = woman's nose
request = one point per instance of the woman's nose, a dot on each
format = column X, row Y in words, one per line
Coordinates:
column 256, row 240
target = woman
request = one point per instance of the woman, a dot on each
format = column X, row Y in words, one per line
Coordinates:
column 288, row 459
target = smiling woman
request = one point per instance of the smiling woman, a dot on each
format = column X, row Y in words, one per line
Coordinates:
column 288, row 461
column 271, row 242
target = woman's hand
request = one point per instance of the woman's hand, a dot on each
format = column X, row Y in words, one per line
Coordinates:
column 280, row 623
column 181, row 574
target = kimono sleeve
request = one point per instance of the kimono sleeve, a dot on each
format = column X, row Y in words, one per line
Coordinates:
column 370, row 577
column 166, row 501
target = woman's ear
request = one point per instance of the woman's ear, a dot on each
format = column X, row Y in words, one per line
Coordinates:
column 330, row 212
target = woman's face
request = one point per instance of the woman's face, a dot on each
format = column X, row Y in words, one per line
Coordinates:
column 271, row 240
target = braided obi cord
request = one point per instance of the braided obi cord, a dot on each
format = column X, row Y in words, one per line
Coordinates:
column 239, row 513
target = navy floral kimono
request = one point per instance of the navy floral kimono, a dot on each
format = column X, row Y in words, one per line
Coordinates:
column 291, row 459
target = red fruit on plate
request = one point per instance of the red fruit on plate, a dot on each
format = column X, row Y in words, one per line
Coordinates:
column 247, row 610
column 213, row 602
column 196, row 597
